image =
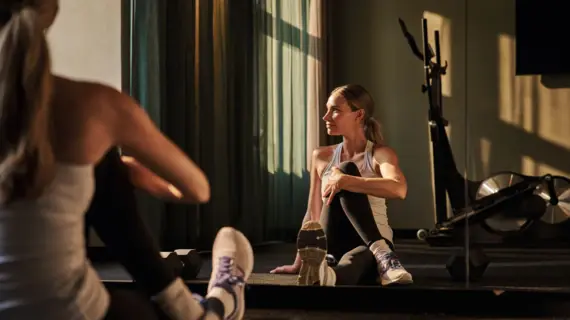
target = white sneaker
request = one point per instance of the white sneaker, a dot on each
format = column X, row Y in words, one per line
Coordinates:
column 232, row 264
column 312, row 248
column 391, row 270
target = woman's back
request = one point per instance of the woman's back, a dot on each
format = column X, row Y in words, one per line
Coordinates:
column 43, row 265
column 53, row 131
column 43, row 269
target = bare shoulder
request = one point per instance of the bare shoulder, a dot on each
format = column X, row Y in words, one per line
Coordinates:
column 95, row 101
column 384, row 153
column 321, row 157
column 87, row 93
column 323, row 153
column 91, row 115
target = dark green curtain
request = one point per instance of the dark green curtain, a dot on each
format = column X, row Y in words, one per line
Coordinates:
column 234, row 84
column 141, row 79
column 190, row 67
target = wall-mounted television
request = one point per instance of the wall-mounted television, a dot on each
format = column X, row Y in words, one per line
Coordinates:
column 542, row 37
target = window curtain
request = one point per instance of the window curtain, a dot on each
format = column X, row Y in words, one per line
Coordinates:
column 290, row 95
column 238, row 85
column 141, row 79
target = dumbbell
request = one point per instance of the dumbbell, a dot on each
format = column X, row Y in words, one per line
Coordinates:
column 186, row 263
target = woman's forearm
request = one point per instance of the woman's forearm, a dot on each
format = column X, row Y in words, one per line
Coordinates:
column 377, row 187
column 144, row 179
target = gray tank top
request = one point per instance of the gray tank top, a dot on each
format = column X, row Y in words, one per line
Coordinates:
column 378, row 205
column 44, row 272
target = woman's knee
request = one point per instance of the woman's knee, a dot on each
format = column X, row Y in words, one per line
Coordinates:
column 350, row 168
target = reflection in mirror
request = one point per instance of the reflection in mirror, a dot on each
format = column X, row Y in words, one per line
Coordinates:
column 517, row 139
column 280, row 102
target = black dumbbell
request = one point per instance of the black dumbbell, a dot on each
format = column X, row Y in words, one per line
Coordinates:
column 173, row 261
column 186, row 263
column 192, row 263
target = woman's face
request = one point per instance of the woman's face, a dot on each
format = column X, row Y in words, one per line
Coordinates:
column 340, row 119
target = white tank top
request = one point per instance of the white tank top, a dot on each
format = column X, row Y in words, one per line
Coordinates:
column 44, row 271
column 378, row 205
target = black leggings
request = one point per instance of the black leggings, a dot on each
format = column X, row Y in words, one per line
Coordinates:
column 131, row 304
column 114, row 216
column 350, row 228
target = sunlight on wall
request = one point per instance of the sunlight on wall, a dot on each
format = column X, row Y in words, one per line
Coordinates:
column 530, row 166
column 554, row 115
column 443, row 24
column 525, row 103
column 516, row 94
column 485, row 147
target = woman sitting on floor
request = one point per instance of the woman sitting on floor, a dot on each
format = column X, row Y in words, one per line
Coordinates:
column 349, row 184
column 53, row 132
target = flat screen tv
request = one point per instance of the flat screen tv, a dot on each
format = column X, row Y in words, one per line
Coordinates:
column 542, row 37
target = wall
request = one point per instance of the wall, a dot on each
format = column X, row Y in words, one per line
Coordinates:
column 85, row 40
column 85, row 43
column 498, row 121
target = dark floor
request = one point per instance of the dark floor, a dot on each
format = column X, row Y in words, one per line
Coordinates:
column 526, row 269
column 307, row 315
column 529, row 283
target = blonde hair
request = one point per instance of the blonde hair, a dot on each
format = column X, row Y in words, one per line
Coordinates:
column 26, row 156
column 358, row 98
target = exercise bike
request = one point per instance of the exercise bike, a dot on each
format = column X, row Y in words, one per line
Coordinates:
column 507, row 204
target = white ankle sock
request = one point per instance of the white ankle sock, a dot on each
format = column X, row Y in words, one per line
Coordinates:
column 380, row 245
column 225, row 297
column 178, row 303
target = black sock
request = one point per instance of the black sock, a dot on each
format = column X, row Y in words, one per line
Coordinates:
column 214, row 305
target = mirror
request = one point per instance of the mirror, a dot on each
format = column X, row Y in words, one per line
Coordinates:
column 514, row 149
column 251, row 89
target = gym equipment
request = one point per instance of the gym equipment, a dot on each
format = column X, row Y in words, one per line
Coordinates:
column 186, row 263
column 505, row 204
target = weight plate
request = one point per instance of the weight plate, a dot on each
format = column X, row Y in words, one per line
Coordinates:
column 559, row 212
column 499, row 222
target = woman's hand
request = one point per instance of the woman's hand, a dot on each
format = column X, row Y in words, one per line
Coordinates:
column 288, row 269
column 335, row 183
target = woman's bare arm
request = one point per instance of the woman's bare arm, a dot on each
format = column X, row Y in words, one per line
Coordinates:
column 393, row 183
column 138, row 136
column 144, row 179
column 315, row 203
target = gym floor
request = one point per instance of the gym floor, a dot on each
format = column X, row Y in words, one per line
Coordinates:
column 536, row 270
column 542, row 269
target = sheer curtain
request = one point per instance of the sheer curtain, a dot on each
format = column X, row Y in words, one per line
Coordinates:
column 239, row 86
column 190, row 68
column 290, row 81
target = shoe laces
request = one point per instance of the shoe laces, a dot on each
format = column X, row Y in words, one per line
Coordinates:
column 225, row 276
column 389, row 261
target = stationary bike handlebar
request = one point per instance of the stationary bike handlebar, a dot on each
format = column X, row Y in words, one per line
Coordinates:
column 552, row 196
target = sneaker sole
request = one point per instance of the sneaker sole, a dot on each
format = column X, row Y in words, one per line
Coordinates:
column 312, row 249
column 405, row 279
